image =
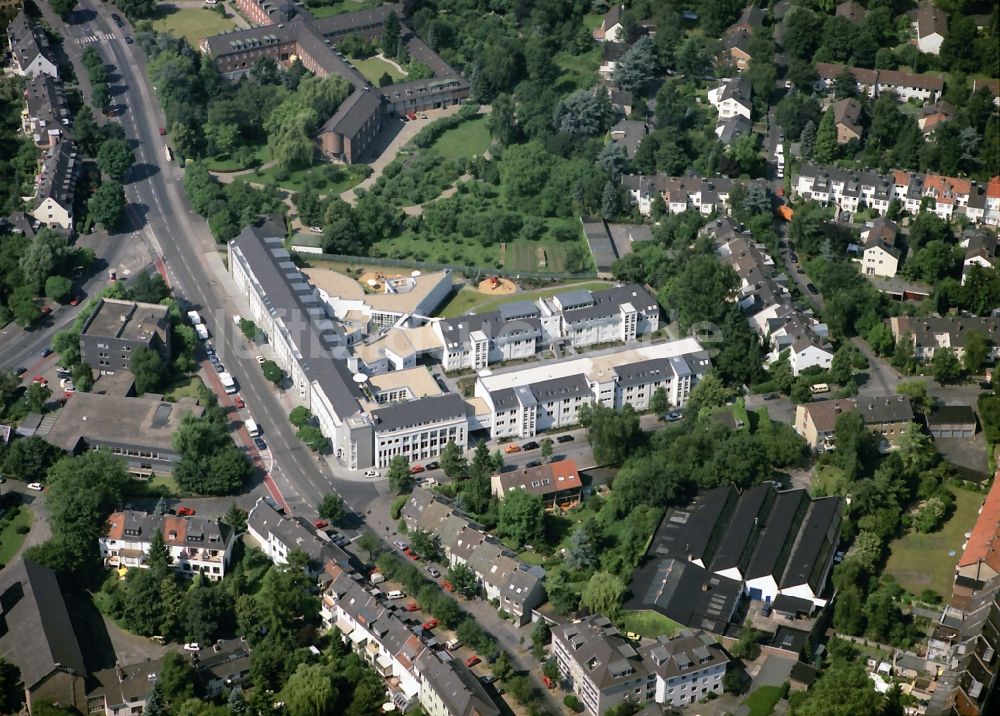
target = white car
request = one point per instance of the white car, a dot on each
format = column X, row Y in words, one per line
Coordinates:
column 261, row 360
column 192, row 646
column 36, row 486
column 316, row 229
column 371, row 473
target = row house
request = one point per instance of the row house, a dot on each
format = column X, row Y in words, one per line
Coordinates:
column 55, row 187
column 522, row 402
column 679, row 194
column 604, row 669
column 195, row 545
column 46, row 117
column 872, row 83
column 930, row 333
column 981, row 249
column 947, row 197
column 31, row 53
column 518, row 587
column 278, row 535
column 764, row 297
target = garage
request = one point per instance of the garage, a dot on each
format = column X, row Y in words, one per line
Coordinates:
column 952, row 422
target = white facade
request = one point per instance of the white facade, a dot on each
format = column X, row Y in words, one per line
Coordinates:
column 685, row 689
column 876, row 261
column 51, row 213
column 422, row 442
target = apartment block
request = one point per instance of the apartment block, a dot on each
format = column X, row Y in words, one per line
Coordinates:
column 419, row 429
column 117, row 328
column 517, row 586
column 449, row 688
column 196, row 545
column 604, row 669
column 520, row 402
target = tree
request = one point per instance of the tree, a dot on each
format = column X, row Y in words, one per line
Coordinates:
column 976, row 351
column 333, row 508
column 613, row 435
column 502, row 120
column 710, row 392
column 583, row 551
column 464, row 580
column 603, row 594
column 746, row 646
column 945, row 366
column 546, row 446
column 844, row 689
column 149, row 369
column 825, row 149
column 248, row 328
column 149, row 287
column 427, row 545
column 808, row 138
column 580, row 113
column 313, row 437
column 108, row 204
column 400, row 477
column 63, row 8
column 637, row 66
column 300, row 416
column 848, row 615
column 453, row 462
column 272, row 372
column 210, row 462
column 609, row 201
column 114, row 157
column 37, row 397
column 916, row 391
column 58, row 288
column 10, row 695
column 502, row 668
column 390, row 35
column 659, row 403
column 236, row 517
column 521, row 517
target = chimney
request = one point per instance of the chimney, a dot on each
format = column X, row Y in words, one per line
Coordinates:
column 704, row 587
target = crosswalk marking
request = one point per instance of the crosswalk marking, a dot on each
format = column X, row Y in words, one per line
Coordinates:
column 87, row 39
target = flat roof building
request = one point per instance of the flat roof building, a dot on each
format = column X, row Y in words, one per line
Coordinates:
column 117, row 328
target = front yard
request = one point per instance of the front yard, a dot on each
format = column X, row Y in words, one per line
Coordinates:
column 14, row 527
column 192, row 24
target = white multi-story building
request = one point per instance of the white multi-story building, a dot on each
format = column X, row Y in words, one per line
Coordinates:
column 196, row 545
column 604, row 669
column 449, row 688
column 731, row 98
column 419, row 429
column 522, row 402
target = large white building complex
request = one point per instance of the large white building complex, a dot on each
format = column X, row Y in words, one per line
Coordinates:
column 521, row 402
column 351, row 355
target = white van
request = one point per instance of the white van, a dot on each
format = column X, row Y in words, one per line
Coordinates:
column 252, row 428
column 395, row 594
column 452, row 644
column 820, row 388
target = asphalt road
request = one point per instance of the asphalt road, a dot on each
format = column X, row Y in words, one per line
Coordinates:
column 159, row 209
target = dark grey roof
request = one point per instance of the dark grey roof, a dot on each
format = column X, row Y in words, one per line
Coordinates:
column 885, row 409
column 692, row 532
column 294, row 533
column 686, row 653
column 947, row 415
column 423, row 411
column 518, row 310
column 602, row 248
column 740, row 538
column 455, row 331
column 457, row 688
column 778, row 529
column 46, row 103
column 643, row 372
column 349, row 22
column 27, row 40
column 733, row 127
column 58, row 176
column 569, row 386
column 36, row 633
column 813, row 544
column 354, row 112
column 601, row 651
column 789, row 639
column 575, row 299
column 632, row 293
column 504, row 399
column 788, row 604
column 237, row 41
column 285, row 290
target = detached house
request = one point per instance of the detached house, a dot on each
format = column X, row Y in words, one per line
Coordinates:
column 981, row 250
column 847, row 119
column 557, row 483
column 611, row 28
column 731, row 98
column 880, row 255
column 931, row 28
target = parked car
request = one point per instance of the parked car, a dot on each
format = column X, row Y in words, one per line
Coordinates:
column 261, row 360
column 316, row 229
column 36, row 486
column 320, row 524
column 533, row 463
column 75, row 301
column 413, row 607
column 118, row 19
column 192, row 646
column 128, row 40
column 433, row 571
column 430, row 624
column 401, row 545
column 811, row 289
column 673, row 416
column 46, row 352
column 259, row 442
column 163, row 131
column 488, row 679
column 770, row 396
column 794, row 257
column 986, row 385
column 371, row 473
column 20, row 370
column 549, row 683
column 530, row 445
column 513, row 447
column 472, row 661
column 185, row 511
column 565, row 439
column 433, row 465
column 40, row 379
column 239, row 403
column 416, row 469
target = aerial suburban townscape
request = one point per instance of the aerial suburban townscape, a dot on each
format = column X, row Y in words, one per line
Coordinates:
column 500, row 357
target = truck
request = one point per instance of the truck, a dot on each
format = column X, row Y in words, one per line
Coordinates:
column 227, row 382
column 194, row 318
column 202, row 331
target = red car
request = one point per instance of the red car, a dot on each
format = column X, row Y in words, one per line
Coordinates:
column 413, row 555
column 185, row 511
column 549, row 683
column 74, row 301
column 40, row 379
column 447, row 586
column 416, row 469
column 430, row 624
column 238, row 402
column 163, row 131
column 472, row 661
column 412, row 607
column 46, row 310
column 320, row 524
column 411, row 116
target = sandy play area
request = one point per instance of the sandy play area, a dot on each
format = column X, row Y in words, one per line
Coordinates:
column 496, row 286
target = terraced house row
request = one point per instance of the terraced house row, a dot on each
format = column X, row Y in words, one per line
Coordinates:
column 287, row 32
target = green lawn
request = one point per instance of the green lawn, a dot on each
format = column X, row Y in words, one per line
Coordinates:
column 191, row 23
column 374, row 67
column 340, row 7
column 470, row 298
column 454, row 251
column 763, row 700
column 10, row 539
column 578, row 71
column 649, row 624
column 157, row 486
column 186, row 387
column 244, row 160
column 921, row 561
column 326, row 179
column 470, row 138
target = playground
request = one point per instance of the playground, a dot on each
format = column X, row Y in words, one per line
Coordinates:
column 497, row 286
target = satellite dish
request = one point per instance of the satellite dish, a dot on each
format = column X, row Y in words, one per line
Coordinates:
column 360, row 378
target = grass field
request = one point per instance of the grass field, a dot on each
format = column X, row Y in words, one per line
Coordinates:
column 470, row 298
column 186, row 387
column 374, row 67
column 10, row 539
column 649, row 624
column 338, row 8
column 157, row 486
column 470, row 138
column 763, row 700
column 191, row 23
column 921, row 561
column 226, row 163
column 324, row 178
column 577, row 70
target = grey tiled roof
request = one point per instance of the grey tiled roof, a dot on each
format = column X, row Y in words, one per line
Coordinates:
column 423, row 411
